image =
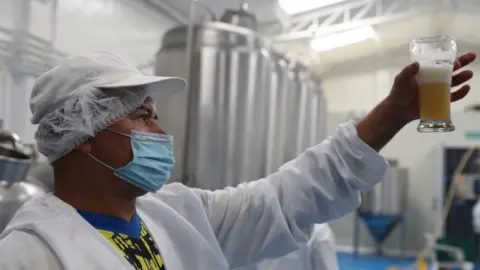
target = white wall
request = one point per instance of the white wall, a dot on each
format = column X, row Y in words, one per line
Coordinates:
column 83, row 26
column 358, row 86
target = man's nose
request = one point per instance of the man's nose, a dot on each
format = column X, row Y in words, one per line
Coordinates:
column 155, row 128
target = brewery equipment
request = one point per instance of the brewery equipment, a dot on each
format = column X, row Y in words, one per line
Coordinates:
column 41, row 175
column 228, row 82
column 384, row 207
column 277, row 100
column 41, row 172
column 14, row 166
column 14, row 163
column 321, row 114
column 247, row 109
column 313, row 119
column 302, row 111
column 456, row 228
column 240, row 17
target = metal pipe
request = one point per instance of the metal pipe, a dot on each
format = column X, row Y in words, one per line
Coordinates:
column 3, row 88
column 206, row 8
column 53, row 26
column 21, row 19
column 190, row 98
column 186, row 178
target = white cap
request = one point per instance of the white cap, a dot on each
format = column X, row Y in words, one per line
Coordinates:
column 84, row 94
column 76, row 75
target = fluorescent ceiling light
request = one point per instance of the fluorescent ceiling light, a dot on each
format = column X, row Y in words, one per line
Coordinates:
column 297, row 6
column 321, row 44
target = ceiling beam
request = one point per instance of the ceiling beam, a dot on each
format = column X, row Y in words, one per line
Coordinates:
column 357, row 13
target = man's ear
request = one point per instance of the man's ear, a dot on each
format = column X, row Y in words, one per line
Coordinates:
column 85, row 147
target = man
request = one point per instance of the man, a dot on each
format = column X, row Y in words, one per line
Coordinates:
column 111, row 210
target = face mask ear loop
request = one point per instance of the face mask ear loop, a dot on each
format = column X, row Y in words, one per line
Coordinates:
column 101, row 162
column 118, row 132
column 97, row 160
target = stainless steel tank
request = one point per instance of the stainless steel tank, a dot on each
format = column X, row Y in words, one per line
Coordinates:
column 313, row 117
column 306, row 97
column 277, row 100
column 14, row 166
column 41, row 175
column 297, row 110
column 390, row 196
column 41, row 172
column 14, row 163
column 322, row 114
column 228, row 85
column 240, row 17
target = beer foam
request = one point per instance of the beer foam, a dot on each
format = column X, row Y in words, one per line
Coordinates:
column 435, row 74
column 434, row 54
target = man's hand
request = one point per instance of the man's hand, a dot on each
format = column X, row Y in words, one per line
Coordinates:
column 404, row 93
column 402, row 105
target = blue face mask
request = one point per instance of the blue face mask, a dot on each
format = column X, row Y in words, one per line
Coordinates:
column 152, row 160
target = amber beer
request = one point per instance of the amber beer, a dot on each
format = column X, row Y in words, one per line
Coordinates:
column 436, row 56
column 434, row 93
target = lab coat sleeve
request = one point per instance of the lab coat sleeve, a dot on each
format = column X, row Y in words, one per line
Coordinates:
column 273, row 216
column 23, row 251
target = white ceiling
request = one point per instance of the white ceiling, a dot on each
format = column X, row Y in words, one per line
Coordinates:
column 393, row 37
column 262, row 8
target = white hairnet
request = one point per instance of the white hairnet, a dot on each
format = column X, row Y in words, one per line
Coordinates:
column 85, row 94
column 62, row 130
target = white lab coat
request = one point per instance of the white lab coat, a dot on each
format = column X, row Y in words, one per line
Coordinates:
column 205, row 230
column 318, row 254
column 476, row 217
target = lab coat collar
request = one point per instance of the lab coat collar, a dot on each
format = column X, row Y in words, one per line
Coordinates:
column 77, row 244
column 168, row 228
column 73, row 240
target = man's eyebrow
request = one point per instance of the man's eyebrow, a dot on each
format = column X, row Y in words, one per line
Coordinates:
column 149, row 110
column 145, row 107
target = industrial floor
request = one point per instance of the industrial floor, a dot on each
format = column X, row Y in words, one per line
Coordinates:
column 348, row 262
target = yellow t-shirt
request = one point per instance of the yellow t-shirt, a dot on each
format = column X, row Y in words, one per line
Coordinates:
column 131, row 239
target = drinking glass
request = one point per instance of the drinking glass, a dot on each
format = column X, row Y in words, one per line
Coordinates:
column 436, row 56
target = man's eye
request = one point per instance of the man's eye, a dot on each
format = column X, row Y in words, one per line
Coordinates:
column 145, row 117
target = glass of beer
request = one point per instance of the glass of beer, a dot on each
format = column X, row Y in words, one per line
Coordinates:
column 436, row 56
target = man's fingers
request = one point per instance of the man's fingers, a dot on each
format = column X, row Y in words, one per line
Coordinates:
column 408, row 72
column 460, row 93
column 461, row 77
column 464, row 60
